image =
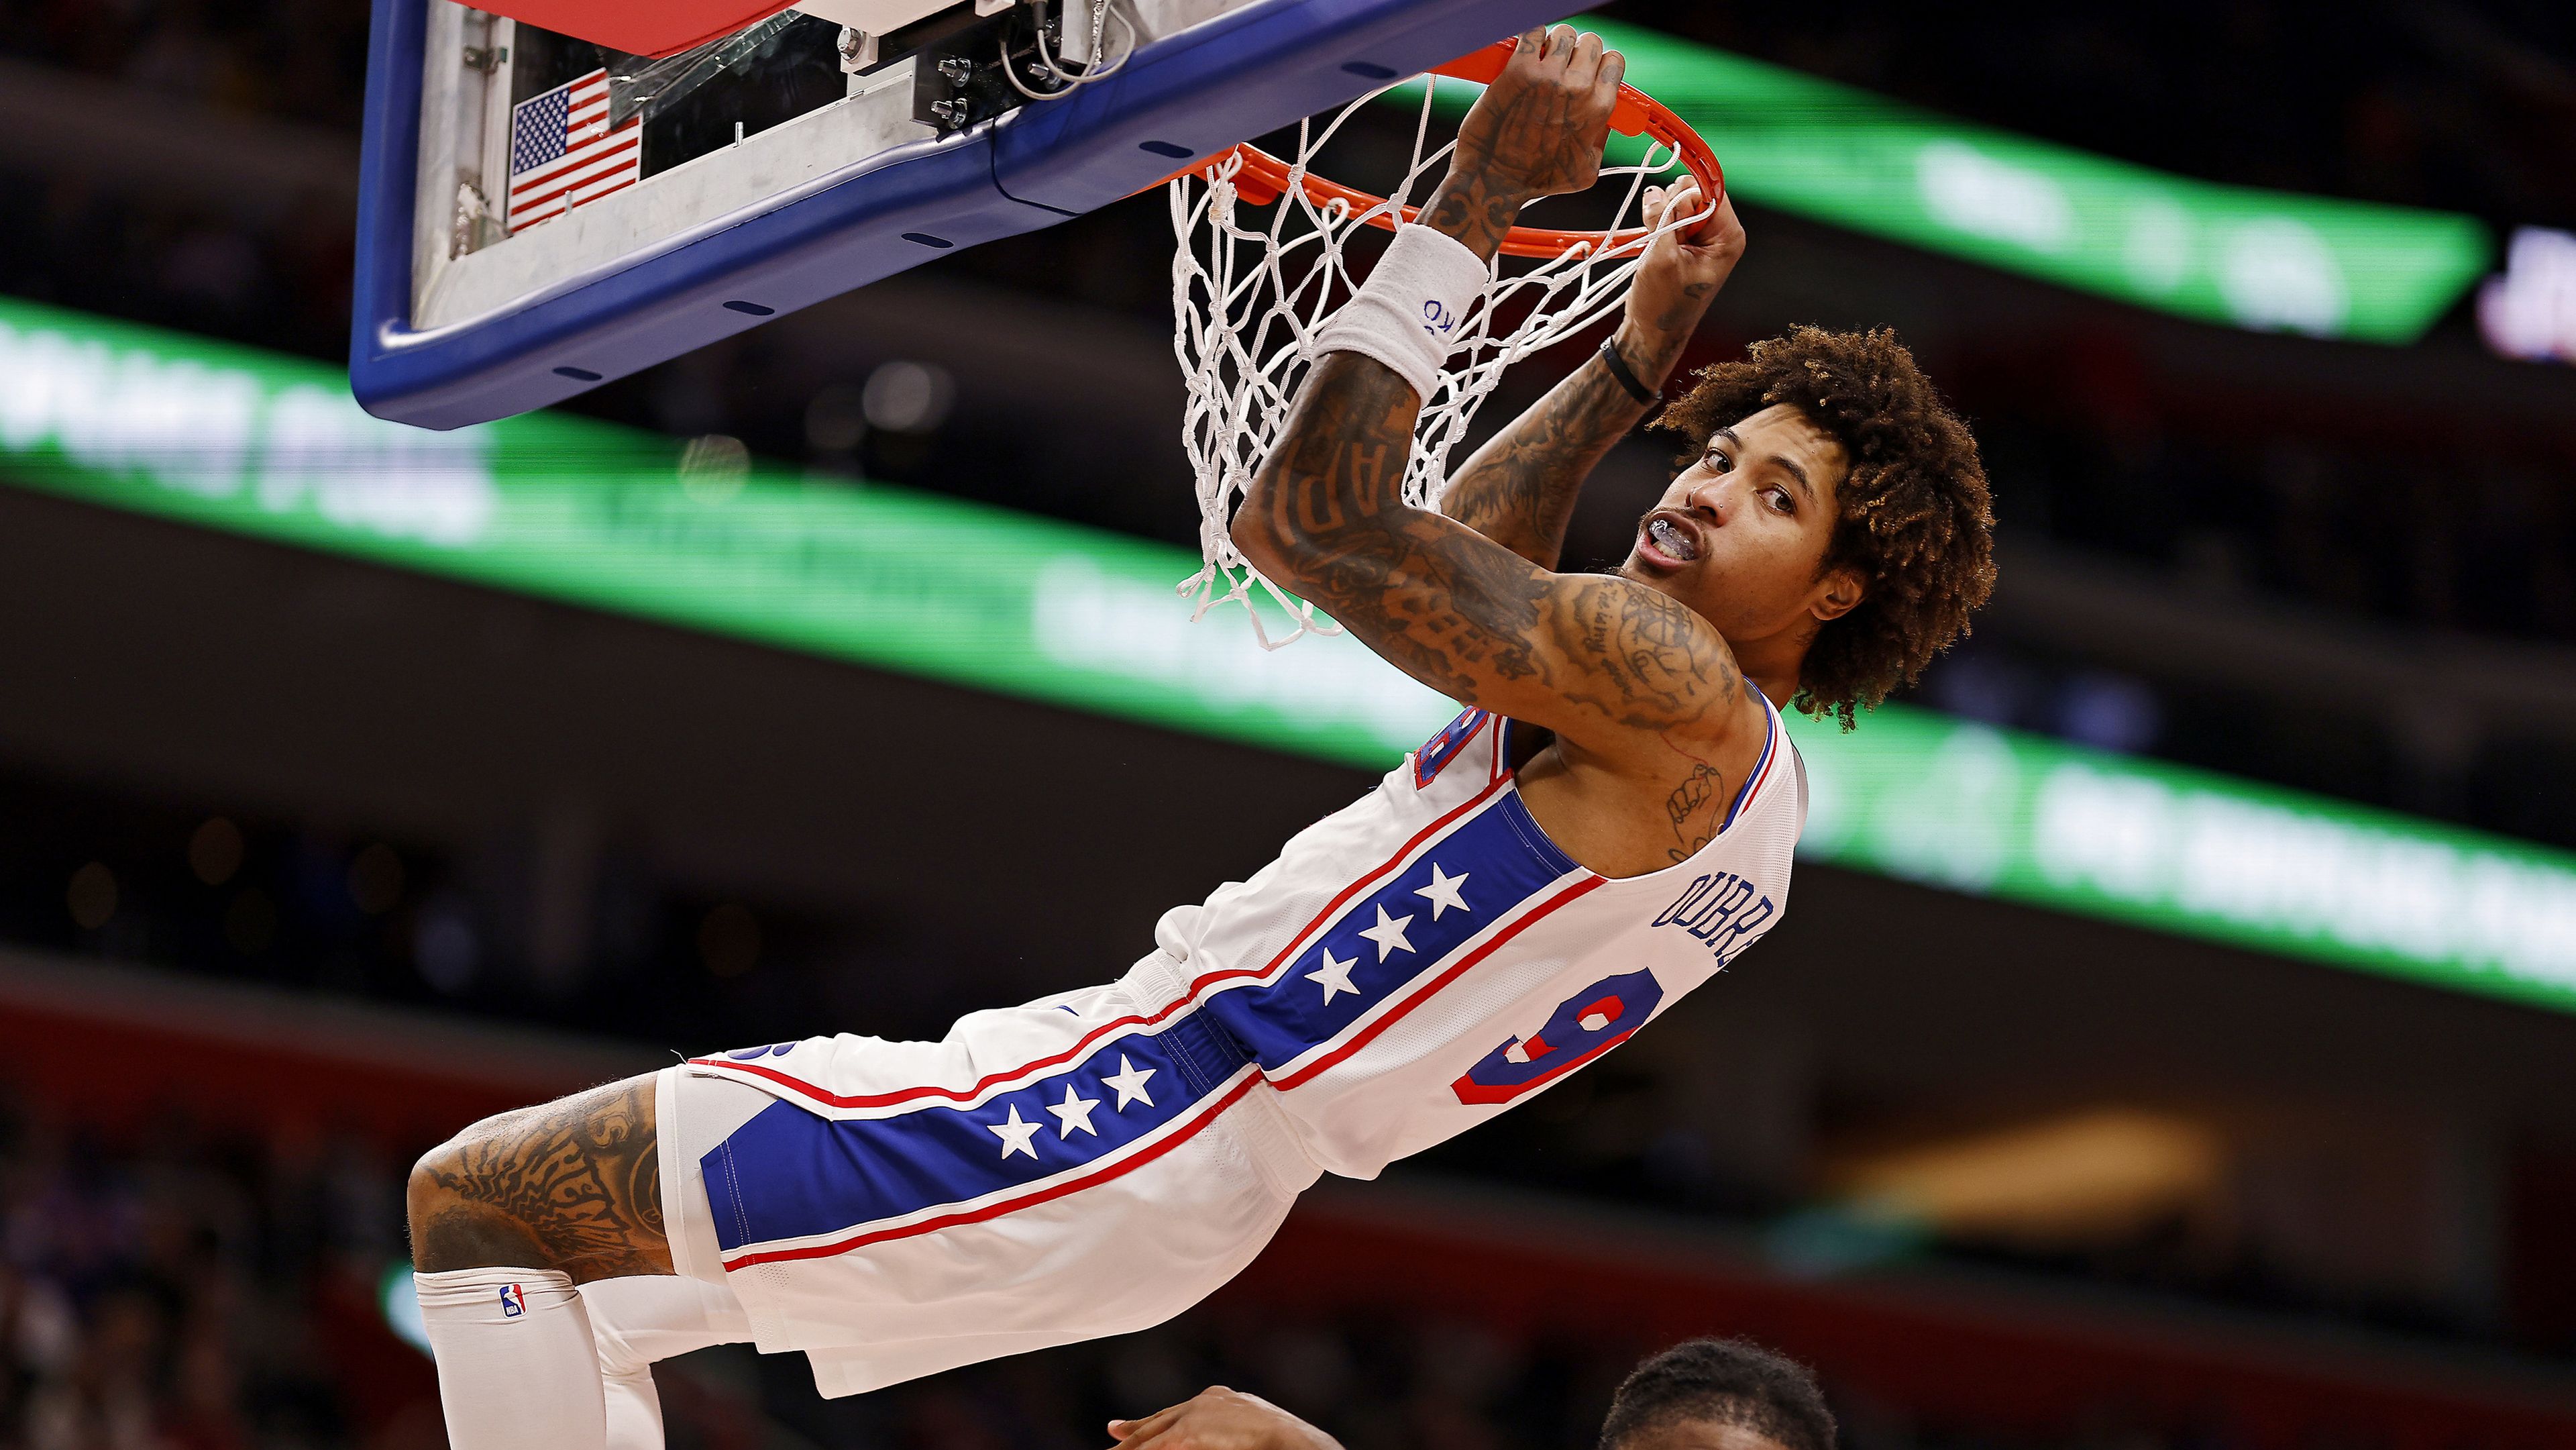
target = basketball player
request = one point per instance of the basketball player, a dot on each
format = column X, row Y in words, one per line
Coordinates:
column 1608, row 824
column 1702, row 1394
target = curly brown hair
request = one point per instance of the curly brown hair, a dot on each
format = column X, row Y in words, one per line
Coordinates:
column 1914, row 517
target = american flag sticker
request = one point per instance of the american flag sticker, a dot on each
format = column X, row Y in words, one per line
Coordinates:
column 562, row 153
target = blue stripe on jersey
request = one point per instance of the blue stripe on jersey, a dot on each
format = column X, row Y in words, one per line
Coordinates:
column 1753, row 777
column 1486, row 866
column 790, row 1174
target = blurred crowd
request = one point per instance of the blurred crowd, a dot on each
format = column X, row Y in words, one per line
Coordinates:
column 294, row 60
column 235, row 262
column 186, row 1289
column 334, row 913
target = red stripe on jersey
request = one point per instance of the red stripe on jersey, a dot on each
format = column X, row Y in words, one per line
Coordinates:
column 1590, row 882
column 1304, row 936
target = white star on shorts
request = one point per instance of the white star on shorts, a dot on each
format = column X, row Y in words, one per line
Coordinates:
column 1074, row 1112
column 1129, row 1083
column 1335, row 974
column 1442, row 893
column 1015, row 1134
column 1388, row 933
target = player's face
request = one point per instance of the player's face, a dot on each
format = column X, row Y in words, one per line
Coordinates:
column 1740, row 536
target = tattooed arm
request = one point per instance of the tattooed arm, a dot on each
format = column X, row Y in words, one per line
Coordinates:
column 1590, row 656
column 1519, row 489
column 1603, row 661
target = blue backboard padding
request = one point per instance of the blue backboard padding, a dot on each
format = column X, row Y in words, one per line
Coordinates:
column 1260, row 68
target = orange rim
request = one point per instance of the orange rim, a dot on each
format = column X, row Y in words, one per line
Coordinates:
column 1262, row 177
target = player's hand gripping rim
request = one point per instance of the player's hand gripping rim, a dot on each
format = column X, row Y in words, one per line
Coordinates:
column 1539, row 129
column 1694, row 250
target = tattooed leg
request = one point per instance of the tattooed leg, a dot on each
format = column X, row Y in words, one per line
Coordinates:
column 573, row 1185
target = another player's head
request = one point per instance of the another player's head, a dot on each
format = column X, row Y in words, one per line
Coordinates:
column 1832, row 520
column 1718, row 1394
column 1702, row 1394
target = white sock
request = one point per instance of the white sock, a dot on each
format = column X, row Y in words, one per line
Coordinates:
column 516, row 1367
column 639, row 1320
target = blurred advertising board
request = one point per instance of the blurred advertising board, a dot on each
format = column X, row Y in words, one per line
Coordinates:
column 2529, row 310
column 2240, row 256
column 705, row 538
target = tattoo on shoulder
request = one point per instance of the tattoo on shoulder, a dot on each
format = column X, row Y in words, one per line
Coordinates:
column 1655, row 669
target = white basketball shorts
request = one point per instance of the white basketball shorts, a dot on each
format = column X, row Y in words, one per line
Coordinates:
column 1080, row 1166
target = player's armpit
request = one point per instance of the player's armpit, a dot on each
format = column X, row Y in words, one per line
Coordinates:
column 1599, row 659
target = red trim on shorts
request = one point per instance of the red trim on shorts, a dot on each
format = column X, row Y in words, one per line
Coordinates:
column 1125, row 1165
column 1590, row 882
column 1196, row 988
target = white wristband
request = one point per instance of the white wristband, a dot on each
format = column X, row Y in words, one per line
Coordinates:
column 1408, row 314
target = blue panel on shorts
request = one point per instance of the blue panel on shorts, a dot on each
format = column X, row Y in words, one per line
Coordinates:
column 791, row 1174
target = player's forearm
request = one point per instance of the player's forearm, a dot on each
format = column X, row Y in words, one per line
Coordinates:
column 1475, row 205
column 1326, row 518
column 1519, row 490
column 1332, row 493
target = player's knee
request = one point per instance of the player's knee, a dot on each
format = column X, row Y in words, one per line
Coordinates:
column 452, row 1223
column 430, row 1184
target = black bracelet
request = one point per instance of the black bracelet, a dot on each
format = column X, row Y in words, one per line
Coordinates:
column 1645, row 396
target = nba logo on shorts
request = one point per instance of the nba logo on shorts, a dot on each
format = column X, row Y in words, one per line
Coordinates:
column 513, row 1302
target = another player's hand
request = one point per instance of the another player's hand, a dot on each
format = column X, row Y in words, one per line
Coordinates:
column 1217, row 1418
column 1539, row 128
column 1682, row 270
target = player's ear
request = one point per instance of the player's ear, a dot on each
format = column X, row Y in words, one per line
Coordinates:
column 1837, row 594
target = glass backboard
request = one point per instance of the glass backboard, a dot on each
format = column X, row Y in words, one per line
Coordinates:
column 541, row 210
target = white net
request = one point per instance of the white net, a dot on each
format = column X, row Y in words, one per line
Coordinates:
column 1251, row 285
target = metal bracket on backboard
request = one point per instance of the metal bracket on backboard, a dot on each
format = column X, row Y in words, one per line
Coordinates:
column 858, row 50
column 959, row 79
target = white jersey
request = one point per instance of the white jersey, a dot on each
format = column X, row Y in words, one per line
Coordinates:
column 1408, row 967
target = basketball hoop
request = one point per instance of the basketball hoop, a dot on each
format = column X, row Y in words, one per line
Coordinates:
column 1247, row 301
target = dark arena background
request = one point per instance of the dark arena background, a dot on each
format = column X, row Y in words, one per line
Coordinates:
column 2174, row 1044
